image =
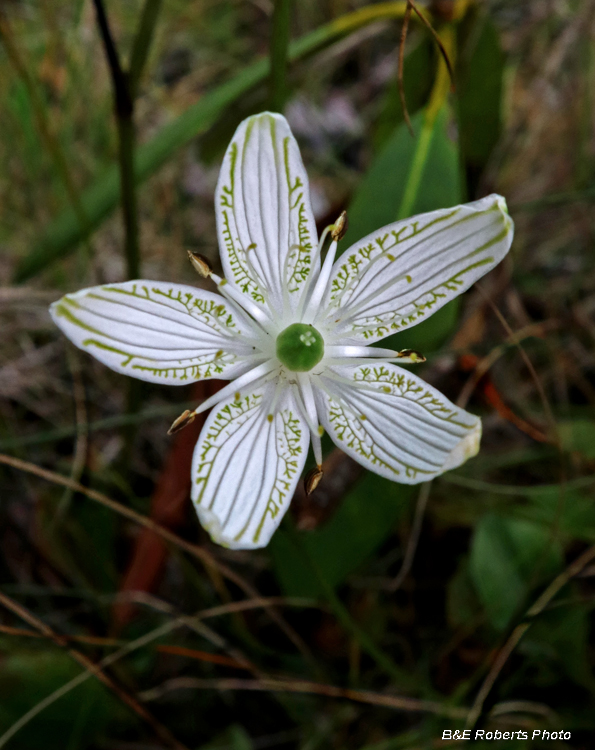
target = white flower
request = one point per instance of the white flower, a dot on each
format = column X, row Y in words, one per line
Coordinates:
column 293, row 336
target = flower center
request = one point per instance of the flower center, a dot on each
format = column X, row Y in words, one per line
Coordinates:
column 300, row 347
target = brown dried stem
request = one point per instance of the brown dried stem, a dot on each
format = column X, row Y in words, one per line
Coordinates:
column 161, row 731
column 193, row 549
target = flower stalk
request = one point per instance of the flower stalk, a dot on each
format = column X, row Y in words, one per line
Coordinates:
column 125, row 87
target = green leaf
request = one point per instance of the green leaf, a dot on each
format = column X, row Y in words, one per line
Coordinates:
column 234, row 738
column 560, row 637
column 578, row 435
column 508, row 558
column 573, row 512
column 79, row 719
column 462, row 603
column 479, row 92
column 379, row 195
column 364, row 520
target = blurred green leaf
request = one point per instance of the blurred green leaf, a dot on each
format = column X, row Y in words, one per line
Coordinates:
column 573, row 512
column 234, row 738
column 82, row 716
column 19, row 105
column 479, row 93
column 578, row 435
column 508, row 558
column 380, row 193
column 561, row 636
column 462, row 603
column 366, row 517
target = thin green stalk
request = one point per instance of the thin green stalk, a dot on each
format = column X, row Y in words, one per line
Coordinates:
column 422, row 148
column 142, row 44
column 124, row 110
column 126, row 151
column 278, row 54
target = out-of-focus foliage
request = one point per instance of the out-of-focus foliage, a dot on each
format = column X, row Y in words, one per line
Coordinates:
column 481, row 546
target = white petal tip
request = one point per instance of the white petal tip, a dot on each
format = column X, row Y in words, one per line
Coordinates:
column 466, row 449
column 210, row 522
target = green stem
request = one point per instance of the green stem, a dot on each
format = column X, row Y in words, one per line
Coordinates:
column 278, row 54
column 124, row 109
column 126, row 149
column 142, row 43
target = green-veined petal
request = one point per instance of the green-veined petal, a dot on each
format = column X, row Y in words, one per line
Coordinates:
column 265, row 224
column 246, row 465
column 393, row 423
column 394, row 278
column 156, row 331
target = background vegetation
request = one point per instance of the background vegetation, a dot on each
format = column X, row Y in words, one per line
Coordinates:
column 380, row 615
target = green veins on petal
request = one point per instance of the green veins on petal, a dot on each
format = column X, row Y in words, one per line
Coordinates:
column 300, row 347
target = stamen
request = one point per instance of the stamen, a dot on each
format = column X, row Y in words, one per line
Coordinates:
column 340, row 228
column 201, row 265
column 360, row 351
column 257, row 278
column 311, row 277
column 313, row 305
column 405, row 356
column 369, row 301
column 262, row 373
column 312, row 479
column 185, row 418
column 309, row 401
column 229, row 291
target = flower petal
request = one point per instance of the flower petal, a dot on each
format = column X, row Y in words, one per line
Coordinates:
column 155, row 331
column 393, row 423
column 246, row 465
column 265, row 223
column 404, row 272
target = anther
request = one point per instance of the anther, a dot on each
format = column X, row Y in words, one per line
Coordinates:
column 415, row 357
column 340, row 227
column 312, row 479
column 185, row 418
column 200, row 264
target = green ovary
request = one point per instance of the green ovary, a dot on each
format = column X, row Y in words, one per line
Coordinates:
column 300, row 347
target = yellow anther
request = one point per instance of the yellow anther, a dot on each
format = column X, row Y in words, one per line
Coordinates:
column 312, row 479
column 412, row 355
column 186, row 418
column 200, row 264
column 340, row 227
